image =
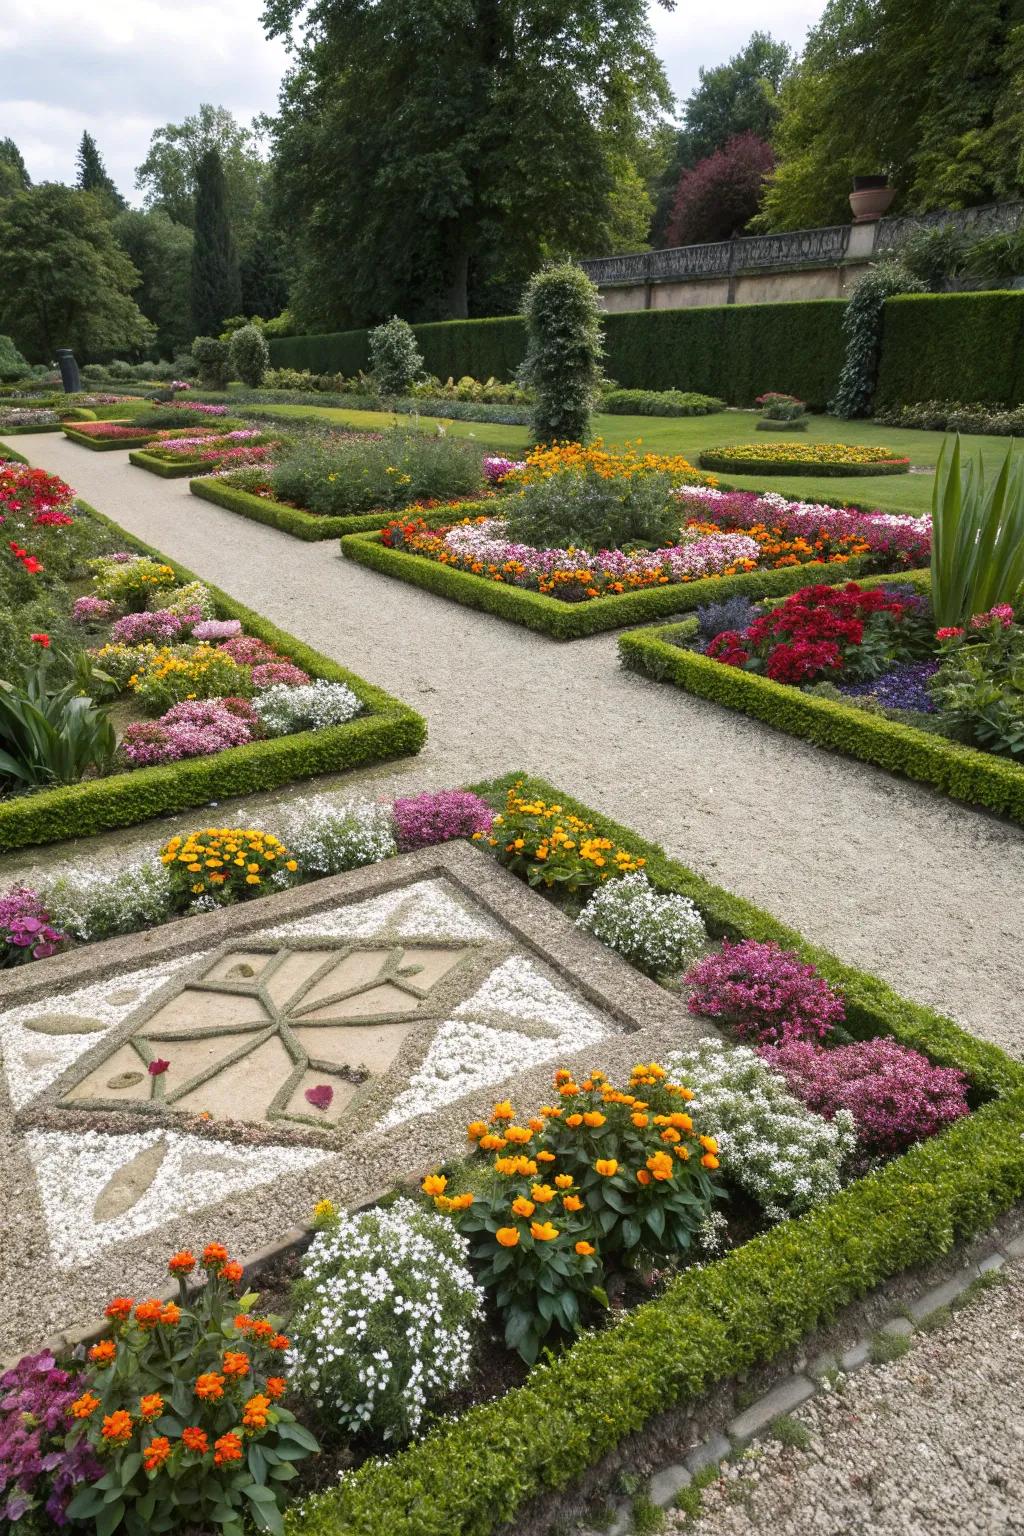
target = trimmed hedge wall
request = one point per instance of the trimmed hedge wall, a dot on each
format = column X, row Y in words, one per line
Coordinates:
column 571, row 621
column 388, row 729
column 964, row 773
column 53, row 426
column 474, row 1474
column 483, row 348
column 312, row 526
column 937, row 346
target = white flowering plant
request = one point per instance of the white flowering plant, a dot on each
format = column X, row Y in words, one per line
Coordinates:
column 328, row 838
column 98, row 903
column 384, row 1319
column 783, row 1155
column 310, row 707
column 661, row 933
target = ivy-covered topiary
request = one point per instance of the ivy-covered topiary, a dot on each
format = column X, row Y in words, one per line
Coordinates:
column 862, row 325
column 565, row 335
column 248, row 356
column 211, row 358
column 395, row 358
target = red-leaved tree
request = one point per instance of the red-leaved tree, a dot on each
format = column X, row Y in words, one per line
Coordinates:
column 721, row 194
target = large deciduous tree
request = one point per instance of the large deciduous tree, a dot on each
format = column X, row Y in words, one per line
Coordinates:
column 13, row 175
column 719, row 197
column 168, row 177
column 161, row 250
column 216, row 285
column 64, row 280
column 426, row 147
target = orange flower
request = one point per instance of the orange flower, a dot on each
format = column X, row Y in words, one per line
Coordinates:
column 543, row 1231
column 670, row 1135
column 227, row 1448
column 492, row 1143
column 585, row 1250
column 182, row 1263
column 461, row 1202
column 542, row 1193
column 523, row 1207
column 572, row 1203
column 562, row 1076
column 117, row 1427
column 575, row 1121
column 594, row 1118
column 551, row 1111
column 150, row 1407
column 156, row 1453
column 103, row 1353
column 276, row 1386
column 563, row 1180
column 120, row 1308
column 661, row 1166
column 232, row 1272
column 535, row 1123
column 195, row 1439
column 607, row 1167
column 477, row 1129
column 683, row 1153
column 147, row 1313
column 508, row 1237
column 681, row 1123
column 709, row 1160
column 84, row 1406
column 170, row 1315
column 503, row 1111
column 545, row 1157
column 709, row 1143
column 434, row 1184
column 568, row 1089
column 518, row 1135
column 642, row 1176
column 210, row 1386
column 214, row 1254
column 279, row 1341
column 235, row 1363
column 640, row 1121
column 254, row 1415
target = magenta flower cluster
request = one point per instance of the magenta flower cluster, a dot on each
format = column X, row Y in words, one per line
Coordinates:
column 216, row 630
column 906, row 541
column 192, row 729
column 161, row 626
column 93, row 610
column 200, row 408
column 268, row 674
column 36, row 1467
column 497, row 468
column 895, row 1095
column 26, row 932
column 439, row 816
column 765, row 993
column 248, row 650
column 708, row 555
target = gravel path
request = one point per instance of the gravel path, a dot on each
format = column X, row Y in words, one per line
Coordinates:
column 888, row 874
column 930, row 1444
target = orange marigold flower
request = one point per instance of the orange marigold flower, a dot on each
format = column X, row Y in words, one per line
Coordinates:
column 642, row 1176
column 670, row 1134
column 563, row 1180
column 170, row 1315
column 84, row 1406
column 710, row 1160
column 150, row 1407
column 575, row 1121
column 182, row 1263
column 210, row 1386
column 518, row 1135
column 279, row 1341
column 461, row 1202
column 709, row 1143
column 508, row 1237
column 661, row 1166
column 503, row 1111
column 545, row 1157
column 681, row 1122
column 235, row 1363
column 562, row 1076
column 551, row 1111
column 227, row 1448
column 156, row 1453
column 594, row 1118
column 434, row 1184
column 477, row 1129
column 117, row 1427
column 103, row 1352
column 147, row 1313
column 492, row 1143
column 542, row 1193
column 232, row 1272
column 194, row 1439
column 214, row 1254
column 572, row 1203
column 120, row 1308
column 535, row 1123
column 276, row 1386
column 569, row 1089
column 683, row 1154
column 254, row 1415
column 543, row 1231
column 260, row 1328
column 640, row 1121
column 585, row 1250
column 607, row 1167
column 523, row 1207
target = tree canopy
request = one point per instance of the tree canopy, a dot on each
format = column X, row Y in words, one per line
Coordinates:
column 429, row 148
column 93, row 176
column 168, row 177
column 64, row 280
column 161, row 251
column 13, row 175
column 720, row 195
column 216, row 285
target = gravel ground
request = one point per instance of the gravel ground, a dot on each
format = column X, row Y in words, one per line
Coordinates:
column 886, row 873
column 929, row 1444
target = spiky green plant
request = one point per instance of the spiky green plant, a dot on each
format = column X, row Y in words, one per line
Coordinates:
column 977, row 536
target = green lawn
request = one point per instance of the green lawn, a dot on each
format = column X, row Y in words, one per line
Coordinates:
column 689, row 434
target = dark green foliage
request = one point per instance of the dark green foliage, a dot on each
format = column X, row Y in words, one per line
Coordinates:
column 247, row 355
column 301, row 525
column 967, row 345
column 213, row 361
column 564, row 332
column 14, row 176
column 93, row 176
column 161, row 251
column 12, row 364
column 959, row 771
column 658, row 402
column 395, row 360
column 216, row 284
column 862, row 326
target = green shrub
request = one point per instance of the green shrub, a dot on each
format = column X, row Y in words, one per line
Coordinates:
column 862, row 325
column 954, row 416
column 12, row 365
column 337, row 476
column 585, row 509
column 562, row 311
column 248, row 355
column 213, row 362
column 664, row 402
column 395, row 359
column 51, row 733
column 938, row 344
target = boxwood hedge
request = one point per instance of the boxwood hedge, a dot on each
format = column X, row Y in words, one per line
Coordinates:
column 721, row 458
column 105, row 445
column 960, row 771
column 387, row 729
column 967, row 346
column 311, row 526
column 477, row 1473
column 164, row 467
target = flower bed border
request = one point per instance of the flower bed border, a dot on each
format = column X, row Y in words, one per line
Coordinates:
column 53, row 426
column 11, row 454
column 471, row 1475
column 389, row 729
column 571, row 621
column 962, row 772
column 104, row 445
column 729, row 465
column 165, row 468
column 310, row 526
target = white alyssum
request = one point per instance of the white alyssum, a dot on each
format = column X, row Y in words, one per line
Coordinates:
column 96, row 903
column 785, row 1156
column 385, row 1317
column 310, row 707
column 660, row 933
column 328, row 837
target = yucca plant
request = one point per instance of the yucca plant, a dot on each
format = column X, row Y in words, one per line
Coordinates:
column 977, row 536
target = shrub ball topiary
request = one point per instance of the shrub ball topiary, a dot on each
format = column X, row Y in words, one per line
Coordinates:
column 212, row 360
column 395, row 358
column 562, row 310
column 248, row 355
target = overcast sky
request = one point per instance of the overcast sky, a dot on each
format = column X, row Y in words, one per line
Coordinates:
column 124, row 67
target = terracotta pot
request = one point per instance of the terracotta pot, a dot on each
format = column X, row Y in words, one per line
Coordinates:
column 871, row 203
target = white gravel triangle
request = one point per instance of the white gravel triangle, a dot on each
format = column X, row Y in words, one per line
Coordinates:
column 423, row 910
column 519, row 990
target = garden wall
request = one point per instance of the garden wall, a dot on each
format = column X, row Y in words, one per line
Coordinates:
column 953, row 346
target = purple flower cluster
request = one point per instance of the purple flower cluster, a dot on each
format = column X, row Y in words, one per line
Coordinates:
column 161, row 626
column 764, row 993
column 92, row 610
column 905, row 540
column 497, row 468
column 248, row 650
column 268, row 674
column 35, row 1464
column 708, row 555
column 439, row 816
column 25, row 929
column 217, row 629
column 904, row 686
column 194, row 728
column 200, row 409
column 895, row 1095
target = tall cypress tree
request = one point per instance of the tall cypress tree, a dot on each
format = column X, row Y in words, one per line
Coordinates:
column 216, row 285
column 94, row 177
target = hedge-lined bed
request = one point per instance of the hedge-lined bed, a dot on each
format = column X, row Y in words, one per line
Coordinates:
column 387, row 729
column 960, row 771
column 309, row 526
column 164, row 468
column 474, row 1474
column 571, row 621
column 12, row 454
column 106, row 445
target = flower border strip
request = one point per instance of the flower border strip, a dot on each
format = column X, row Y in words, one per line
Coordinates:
column 472, row 1475
column 389, row 729
column 962, row 772
column 309, row 525
column 165, row 469
column 712, row 460
column 101, row 445
column 571, row 621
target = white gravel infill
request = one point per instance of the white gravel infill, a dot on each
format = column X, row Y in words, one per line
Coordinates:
column 929, row 1445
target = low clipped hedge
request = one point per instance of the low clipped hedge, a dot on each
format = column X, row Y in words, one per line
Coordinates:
column 962, row 772
column 311, row 526
column 477, row 1473
column 388, row 729
column 721, row 458
column 164, row 467
column 12, row 454
column 53, row 426
column 658, row 402
column 571, row 621
column 106, row 445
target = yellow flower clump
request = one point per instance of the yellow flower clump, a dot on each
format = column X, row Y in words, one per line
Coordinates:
column 619, row 464
column 216, row 858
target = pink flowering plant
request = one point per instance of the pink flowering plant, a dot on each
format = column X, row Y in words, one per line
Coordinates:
column 440, row 816
column 894, row 543
column 39, row 1471
column 194, row 728
column 26, row 931
column 764, row 993
column 978, row 690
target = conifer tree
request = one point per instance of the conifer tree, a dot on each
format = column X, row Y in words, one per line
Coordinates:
column 216, row 285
